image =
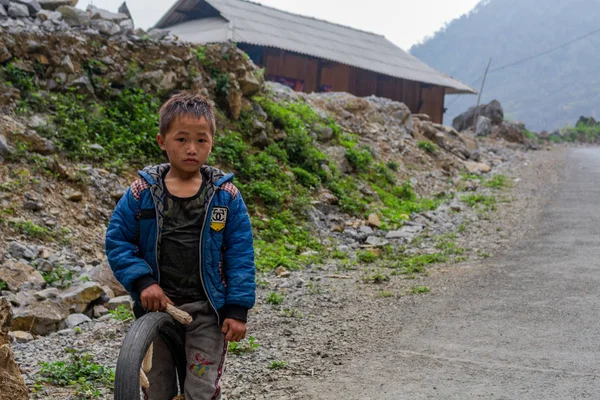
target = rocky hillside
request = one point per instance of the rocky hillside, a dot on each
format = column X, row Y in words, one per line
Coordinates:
column 548, row 92
column 336, row 185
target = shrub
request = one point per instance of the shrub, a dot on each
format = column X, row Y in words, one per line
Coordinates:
column 428, row 146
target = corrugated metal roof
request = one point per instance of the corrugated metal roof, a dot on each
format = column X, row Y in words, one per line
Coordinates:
column 246, row 22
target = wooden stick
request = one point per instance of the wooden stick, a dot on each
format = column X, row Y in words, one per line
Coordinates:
column 179, row 315
column 338, row 276
column 144, row 379
column 147, row 363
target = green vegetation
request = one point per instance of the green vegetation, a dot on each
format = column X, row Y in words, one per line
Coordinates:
column 376, row 276
column 60, row 276
column 3, row 285
column 480, row 200
column 366, row 257
column 385, row 294
column 428, row 146
column 498, row 181
column 420, row 289
column 277, row 364
column 245, row 346
column 30, row 229
column 275, row 298
column 79, row 371
column 291, row 313
column 121, row 313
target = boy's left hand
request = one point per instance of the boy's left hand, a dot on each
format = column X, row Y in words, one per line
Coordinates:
column 234, row 330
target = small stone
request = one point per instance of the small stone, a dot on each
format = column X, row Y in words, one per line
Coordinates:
column 40, row 318
column 376, row 241
column 100, row 14
column 50, row 293
column 67, row 64
column 475, row 167
column 120, row 301
column 3, row 12
column 106, row 27
column 77, row 298
column 374, row 221
column 4, row 149
column 95, row 147
column 22, row 336
column 18, row 10
column 18, row 251
column 74, row 16
column 99, row 311
column 76, row 319
column 47, row 15
column 33, row 205
column 54, row 4
column 32, row 6
column 82, row 85
column 287, row 332
column 127, row 26
column 338, row 228
column 281, row 272
column 75, row 197
column 366, row 230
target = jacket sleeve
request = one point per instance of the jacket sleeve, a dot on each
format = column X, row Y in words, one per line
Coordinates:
column 121, row 249
column 238, row 259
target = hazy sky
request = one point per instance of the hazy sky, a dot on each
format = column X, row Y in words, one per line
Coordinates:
column 404, row 22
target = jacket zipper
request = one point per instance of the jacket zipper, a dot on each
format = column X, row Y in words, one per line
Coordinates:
column 202, row 261
column 156, row 240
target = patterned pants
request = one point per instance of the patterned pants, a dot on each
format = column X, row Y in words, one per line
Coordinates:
column 206, row 352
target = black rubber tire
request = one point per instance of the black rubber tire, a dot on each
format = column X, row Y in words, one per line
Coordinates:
column 143, row 331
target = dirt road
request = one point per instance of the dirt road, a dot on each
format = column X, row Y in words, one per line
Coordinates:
column 525, row 326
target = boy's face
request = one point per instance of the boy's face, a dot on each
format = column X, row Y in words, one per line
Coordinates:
column 188, row 142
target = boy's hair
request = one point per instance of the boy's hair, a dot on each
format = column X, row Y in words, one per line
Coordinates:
column 186, row 103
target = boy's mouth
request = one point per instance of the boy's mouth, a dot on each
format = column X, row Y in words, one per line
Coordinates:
column 191, row 160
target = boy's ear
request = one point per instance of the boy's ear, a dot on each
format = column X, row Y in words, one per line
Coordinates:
column 161, row 142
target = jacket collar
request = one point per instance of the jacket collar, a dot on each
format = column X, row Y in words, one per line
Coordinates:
column 214, row 176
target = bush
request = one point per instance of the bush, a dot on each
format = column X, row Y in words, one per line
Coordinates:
column 428, row 146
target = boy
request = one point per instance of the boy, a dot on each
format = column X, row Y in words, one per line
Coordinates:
column 181, row 235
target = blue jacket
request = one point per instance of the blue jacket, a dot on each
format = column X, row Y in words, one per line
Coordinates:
column 227, row 254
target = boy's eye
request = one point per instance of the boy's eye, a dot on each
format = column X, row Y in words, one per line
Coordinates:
column 202, row 140
column 181, row 140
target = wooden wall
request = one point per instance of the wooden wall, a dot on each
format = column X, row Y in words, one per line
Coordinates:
column 420, row 98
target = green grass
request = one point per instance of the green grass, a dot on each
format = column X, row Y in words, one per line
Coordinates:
column 59, row 275
column 245, row 346
column 121, row 313
column 377, row 276
column 428, row 146
column 420, row 290
column 277, row 364
column 479, row 200
column 498, row 181
column 3, row 285
column 366, row 257
column 79, row 371
column 274, row 298
column 385, row 294
column 417, row 263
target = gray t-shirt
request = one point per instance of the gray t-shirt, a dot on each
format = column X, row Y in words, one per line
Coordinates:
column 180, row 247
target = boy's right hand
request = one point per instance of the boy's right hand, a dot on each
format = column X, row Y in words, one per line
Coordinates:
column 154, row 299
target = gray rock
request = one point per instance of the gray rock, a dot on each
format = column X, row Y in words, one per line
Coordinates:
column 127, row 26
column 74, row 16
column 54, row 4
column 98, row 13
column 376, row 241
column 67, row 65
column 83, row 85
column 407, row 232
column 47, row 15
column 95, row 147
column 366, row 230
column 484, row 126
column 119, row 301
column 32, row 6
column 4, row 149
column 45, row 266
column 158, row 34
column 50, row 293
column 18, row 10
column 123, row 9
column 18, row 251
column 3, row 12
column 33, row 205
column 76, row 319
column 99, row 311
column 106, row 27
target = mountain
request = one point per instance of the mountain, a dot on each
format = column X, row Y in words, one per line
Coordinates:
column 546, row 92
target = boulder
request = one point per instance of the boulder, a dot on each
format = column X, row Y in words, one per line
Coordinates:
column 477, row 168
column 76, row 319
column 18, row 275
column 466, row 120
column 4, row 149
column 484, row 126
column 123, row 9
column 39, row 318
column 22, row 336
column 3, row 12
column 82, row 85
column 98, row 13
column 120, row 301
column 511, row 132
column 103, row 275
column 12, row 384
column 374, row 221
column 32, row 6
column 53, row 5
column 105, row 27
column 376, row 241
column 16, row 10
column 15, row 131
column 78, row 297
column 47, row 15
column 249, row 84
column 74, row 16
